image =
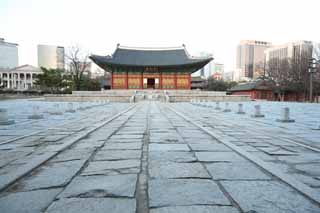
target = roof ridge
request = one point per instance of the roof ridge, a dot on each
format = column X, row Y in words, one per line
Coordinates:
column 24, row 65
column 150, row 48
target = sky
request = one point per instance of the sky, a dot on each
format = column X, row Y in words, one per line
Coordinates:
column 213, row 26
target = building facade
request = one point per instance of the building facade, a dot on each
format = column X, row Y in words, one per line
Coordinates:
column 51, row 56
column 292, row 51
column 150, row 68
column 250, row 60
column 218, row 71
column 19, row 78
column 8, row 54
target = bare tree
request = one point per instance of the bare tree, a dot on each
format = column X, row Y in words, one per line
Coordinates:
column 78, row 63
column 291, row 74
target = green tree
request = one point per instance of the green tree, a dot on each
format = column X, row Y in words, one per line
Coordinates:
column 53, row 81
column 219, row 85
column 89, row 84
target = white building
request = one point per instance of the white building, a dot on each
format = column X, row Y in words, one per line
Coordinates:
column 51, row 56
column 8, row 54
column 238, row 75
column 19, row 78
column 290, row 50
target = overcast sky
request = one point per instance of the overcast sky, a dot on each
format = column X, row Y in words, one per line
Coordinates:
column 214, row 26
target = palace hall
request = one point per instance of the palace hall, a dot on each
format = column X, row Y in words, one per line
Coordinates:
column 150, row 68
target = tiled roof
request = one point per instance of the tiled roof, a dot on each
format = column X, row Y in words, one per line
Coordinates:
column 149, row 57
column 259, row 85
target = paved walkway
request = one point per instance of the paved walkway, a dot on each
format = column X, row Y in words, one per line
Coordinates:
column 147, row 158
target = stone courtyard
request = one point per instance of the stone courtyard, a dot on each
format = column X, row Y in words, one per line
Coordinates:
column 159, row 157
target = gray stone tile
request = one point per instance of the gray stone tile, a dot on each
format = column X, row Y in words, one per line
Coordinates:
column 131, row 140
column 53, row 175
column 122, row 146
column 181, row 157
column 177, row 170
column 101, row 186
column 93, row 205
column 112, row 167
column 173, row 192
column 268, row 196
column 195, row 209
column 27, row 202
column 73, row 154
column 216, row 147
column 127, row 136
column 219, row 157
column 301, row 158
column 117, row 154
column 235, row 171
column 168, row 147
column 263, row 156
column 276, row 151
column 311, row 181
column 311, row 169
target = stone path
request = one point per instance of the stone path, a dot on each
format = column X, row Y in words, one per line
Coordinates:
column 149, row 159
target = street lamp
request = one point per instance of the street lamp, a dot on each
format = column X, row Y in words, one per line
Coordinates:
column 312, row 68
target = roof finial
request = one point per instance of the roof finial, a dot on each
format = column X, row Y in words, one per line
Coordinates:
column 118, row 45
column 183, row 45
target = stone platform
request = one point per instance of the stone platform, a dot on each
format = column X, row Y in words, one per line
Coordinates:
column 142, row 95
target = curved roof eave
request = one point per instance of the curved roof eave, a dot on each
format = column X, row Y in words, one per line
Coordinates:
column 106, row 61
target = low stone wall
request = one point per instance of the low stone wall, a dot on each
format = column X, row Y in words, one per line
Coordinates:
column 195, row 92
column 105, row 93
column 228, row 98
column 85, row 98
column 160, row 95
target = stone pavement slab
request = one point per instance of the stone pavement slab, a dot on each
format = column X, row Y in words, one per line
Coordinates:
column 101, row 186
column 173, row 192
column 268, row 196
column 73, row 154
column 173, row 156
column 213, row 146
column 195, row 209
column 219, row 157
column 53, row 175
column 122, row 146
column 235, row 171
column 93, row 205
column 177, row 170
column 117, row 155
column 27, row 202
column 168, row 147
column 118, row 166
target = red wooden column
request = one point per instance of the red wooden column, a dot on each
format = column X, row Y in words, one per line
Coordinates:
column 175, row 81
column 141, row 82
column 127, row 80
column 111, row 81
column 189, row 83
column 160, row 80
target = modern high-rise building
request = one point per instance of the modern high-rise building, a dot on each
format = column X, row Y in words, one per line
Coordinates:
column 292, row 51
column 250, row 59
column 51, row 56
column 8, row 55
